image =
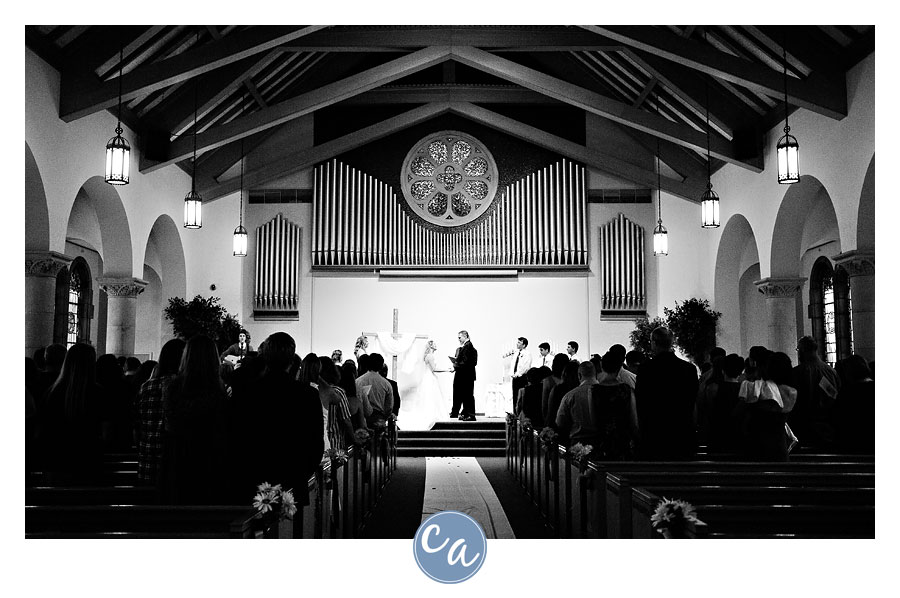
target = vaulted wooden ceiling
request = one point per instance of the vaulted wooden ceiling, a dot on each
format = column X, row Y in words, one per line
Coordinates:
column 654, row 82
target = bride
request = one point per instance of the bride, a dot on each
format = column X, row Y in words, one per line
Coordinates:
column 422, row 402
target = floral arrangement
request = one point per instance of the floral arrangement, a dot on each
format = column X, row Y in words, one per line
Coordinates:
column 527, row 427
column 511, row 418
column 548, row 436
column 338, row 456
column 580, row 453
column 379, row 425
column 362, row 343
column 361, row 437
column 674, row 518
column 272, row 500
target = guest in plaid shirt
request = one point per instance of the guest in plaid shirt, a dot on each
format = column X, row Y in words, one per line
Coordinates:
column 150, row 411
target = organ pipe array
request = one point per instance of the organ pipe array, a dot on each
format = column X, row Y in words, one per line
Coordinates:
column 622, row 266
column 277, row 266
column 537, row 222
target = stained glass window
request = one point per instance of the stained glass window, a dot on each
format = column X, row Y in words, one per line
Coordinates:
column 75, row 291
column 449, row 179
column 828, row 309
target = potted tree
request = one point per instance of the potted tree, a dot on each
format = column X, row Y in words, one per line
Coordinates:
column 693, row 323
column 202, row 316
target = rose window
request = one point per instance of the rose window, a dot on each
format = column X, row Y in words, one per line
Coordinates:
column 449, row 179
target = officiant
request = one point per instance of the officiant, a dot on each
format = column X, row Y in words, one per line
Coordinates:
column 464, row 379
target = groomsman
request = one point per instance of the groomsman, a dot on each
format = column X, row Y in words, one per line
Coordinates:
column 572, row 350
column 521, row 365
column 546, row 358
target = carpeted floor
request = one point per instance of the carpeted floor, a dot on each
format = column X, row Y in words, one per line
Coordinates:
column 399, row 512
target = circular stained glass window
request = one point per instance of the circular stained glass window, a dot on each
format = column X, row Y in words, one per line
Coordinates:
column 449, row 179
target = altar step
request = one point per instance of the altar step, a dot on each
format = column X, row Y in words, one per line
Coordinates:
column 482, row 438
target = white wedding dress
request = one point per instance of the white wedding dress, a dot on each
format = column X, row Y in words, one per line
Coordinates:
column 421, row 400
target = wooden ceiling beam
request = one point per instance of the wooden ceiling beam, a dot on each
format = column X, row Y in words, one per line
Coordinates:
column 602, row 106
column 308, row 157
column 592, row 158
column 306, row 103
column 425, row 94
column 498, row 39
column 82, row 96
column 820, row 94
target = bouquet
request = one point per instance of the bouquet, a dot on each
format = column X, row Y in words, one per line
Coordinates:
column 580, row 453
column 527, row 428
column 338, row 456
column 272, row 501
column 361, row 437
column 674, row 518
column 548, row 436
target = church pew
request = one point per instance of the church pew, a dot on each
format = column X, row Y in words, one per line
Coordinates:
column 770, row 520
column 90, row 495
column 139, row 521
column 616, row 501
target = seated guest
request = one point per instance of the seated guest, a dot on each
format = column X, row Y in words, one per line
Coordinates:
column 310, row 368
column 359, row 409
column 854, row 409
column 193, row 466
column 362, row 364
column 633, row 361
column 560, row 360
column 394, row 388
column 769, row 400
column 707, row 388
column 69, row 425
column 282, row 430
column 529, row 405
column 337, row 356
column 53, row 358
column 376, row 389
column 575, row 417
column 757, row 355
column 817, row 387
column 724, row 433
column 340, row 428
column 617, row 353
column 665, row 391
column 131, row 365
column 614, row 412
column 149, row 411
column 119, row 407
column 569, row 381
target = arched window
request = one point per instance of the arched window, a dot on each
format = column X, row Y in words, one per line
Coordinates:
column 74, row 304
column 829, row 310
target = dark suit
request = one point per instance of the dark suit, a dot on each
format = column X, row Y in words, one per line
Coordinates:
column 396, row 409
column 464, row 380
column 665, row 392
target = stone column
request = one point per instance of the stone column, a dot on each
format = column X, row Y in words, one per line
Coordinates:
column 781, row 312
column 121, row 307
column 41, row 269
column 860, row 267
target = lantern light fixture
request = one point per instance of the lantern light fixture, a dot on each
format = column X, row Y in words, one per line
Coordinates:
column 118, row 151
column 240, row 233
column 788, row 150
column 660, row 234
column 193, row 202
column 709, row 201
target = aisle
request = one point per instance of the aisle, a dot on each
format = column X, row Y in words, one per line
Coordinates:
column 405, row 500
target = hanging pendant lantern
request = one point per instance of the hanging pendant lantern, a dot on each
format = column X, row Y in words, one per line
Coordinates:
column 118, row 151
column 239, row 244
column 660, row 239
column 788, row 153
column 192, row 206
column 788, row 150
column 193, row 202
column 709, row 208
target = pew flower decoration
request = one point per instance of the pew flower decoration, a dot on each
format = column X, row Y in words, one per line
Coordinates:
column 272, row 501
column 337, row 456
column 510, row 419
column 580, row 453
column 527, row 427
column 674, row 518
column 548, row 436
column 361, row 437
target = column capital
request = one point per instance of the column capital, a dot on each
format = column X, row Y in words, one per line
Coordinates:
column 779, row 288
column 45, row 263
column 856, row 262
column 127, row 287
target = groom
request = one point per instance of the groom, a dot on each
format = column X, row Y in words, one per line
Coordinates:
column 464, row 379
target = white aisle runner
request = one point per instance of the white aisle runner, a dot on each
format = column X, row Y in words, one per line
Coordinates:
column 459, row 484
